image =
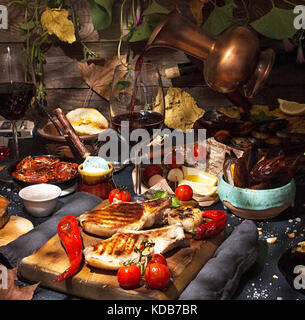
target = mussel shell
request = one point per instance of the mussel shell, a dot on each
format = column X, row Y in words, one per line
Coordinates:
column 223, row 136
column 259, row 135
column 229, row 160
column 297, row 139
column 283, row 134
column 273, row 126
column 274, row 142
column 244, row 142
column 216, row 116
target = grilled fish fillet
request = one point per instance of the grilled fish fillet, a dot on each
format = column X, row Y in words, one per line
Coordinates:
column 188, row 216
column 113, row 252
column 124, row 216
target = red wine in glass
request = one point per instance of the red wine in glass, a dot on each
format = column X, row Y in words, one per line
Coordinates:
column 148, row 120
column 15, row 97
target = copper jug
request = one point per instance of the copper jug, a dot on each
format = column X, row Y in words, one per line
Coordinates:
column 232, row 60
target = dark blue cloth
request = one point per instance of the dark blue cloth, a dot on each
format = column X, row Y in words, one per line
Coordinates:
column 12, row 253
column 219, row 278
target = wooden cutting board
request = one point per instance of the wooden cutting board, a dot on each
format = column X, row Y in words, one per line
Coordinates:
column 49, row 261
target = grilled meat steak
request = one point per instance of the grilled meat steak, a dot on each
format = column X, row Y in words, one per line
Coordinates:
column 113, row 252
column 124, row 216
column 188, row 216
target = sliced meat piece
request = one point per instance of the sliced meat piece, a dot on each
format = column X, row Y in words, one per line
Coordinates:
column 124, row 216
column 188, row 216
column 111, row 253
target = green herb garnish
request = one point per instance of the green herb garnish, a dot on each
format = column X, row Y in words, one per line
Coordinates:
column 160, row 195
column 175, row 202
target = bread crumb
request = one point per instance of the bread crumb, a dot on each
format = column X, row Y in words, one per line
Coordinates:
column 271, row 240
column 291, row 235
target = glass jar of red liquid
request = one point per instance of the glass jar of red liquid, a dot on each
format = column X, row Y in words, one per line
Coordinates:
column 4, row 152
column 98, row 183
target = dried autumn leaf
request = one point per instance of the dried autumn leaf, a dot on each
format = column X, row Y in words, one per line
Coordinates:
column 56, row 21
column 10, row 291
column 196, row 9
column 97, row 73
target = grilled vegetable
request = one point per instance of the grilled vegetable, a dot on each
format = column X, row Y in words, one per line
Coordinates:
column 70, row 236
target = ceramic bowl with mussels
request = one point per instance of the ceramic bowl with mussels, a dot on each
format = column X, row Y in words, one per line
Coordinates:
column 255, row 187
column 248, row 131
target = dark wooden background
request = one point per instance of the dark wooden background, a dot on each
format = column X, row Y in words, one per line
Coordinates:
column 66, row 87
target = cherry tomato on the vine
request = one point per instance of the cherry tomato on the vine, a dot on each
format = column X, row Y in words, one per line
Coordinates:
column 119, row 194
column 157, row 258
column 157, row 275
column 129, row 276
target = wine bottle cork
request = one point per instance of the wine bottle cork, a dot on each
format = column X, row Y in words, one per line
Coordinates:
column 172, row 73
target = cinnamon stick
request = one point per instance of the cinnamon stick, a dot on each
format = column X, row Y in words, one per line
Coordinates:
column 72, row 137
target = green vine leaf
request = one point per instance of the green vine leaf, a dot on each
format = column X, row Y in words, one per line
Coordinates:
column 153, row 8
column 101, row 13
column 122, row 85
column 276, row 24
column 140, row 32
column 143, row 31
column 27, row 27
column 219, row 19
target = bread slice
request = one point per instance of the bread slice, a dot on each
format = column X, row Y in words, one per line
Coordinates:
column 87, row 121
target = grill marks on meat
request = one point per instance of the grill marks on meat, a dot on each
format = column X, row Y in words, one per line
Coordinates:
column 113, row 252
column 122, row 216
column 188, row 216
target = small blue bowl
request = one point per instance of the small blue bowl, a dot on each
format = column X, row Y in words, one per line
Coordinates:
column 256, row 204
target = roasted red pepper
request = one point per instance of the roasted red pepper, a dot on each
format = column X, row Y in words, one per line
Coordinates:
column 213, row 227
column 70, row 236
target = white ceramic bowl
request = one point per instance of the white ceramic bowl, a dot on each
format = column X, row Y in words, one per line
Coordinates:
column 41, row 199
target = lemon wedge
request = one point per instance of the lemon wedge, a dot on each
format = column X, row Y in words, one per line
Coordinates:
column 197, row 175
column 291, row 108
column 200, row 188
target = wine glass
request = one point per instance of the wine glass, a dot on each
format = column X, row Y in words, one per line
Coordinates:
column 15, row 91
column 136, row 102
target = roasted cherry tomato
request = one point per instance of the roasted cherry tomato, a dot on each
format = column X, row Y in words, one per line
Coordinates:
column 119, row 194
column 151, row 170
column 129, row 276
column 199, row 152
column 184, row 192
column 175, row 159
column 157, row 258
column 157, row 275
